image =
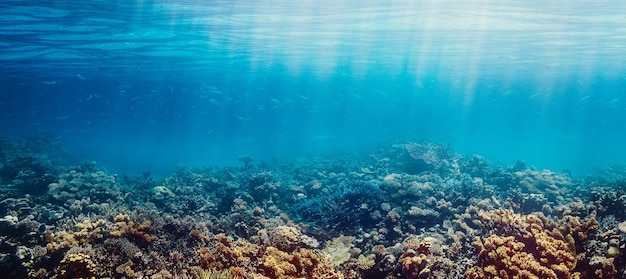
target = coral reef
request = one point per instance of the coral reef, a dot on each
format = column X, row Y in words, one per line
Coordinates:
column 407, row 210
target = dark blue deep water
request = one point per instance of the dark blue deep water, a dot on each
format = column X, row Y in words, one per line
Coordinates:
column 141, row 85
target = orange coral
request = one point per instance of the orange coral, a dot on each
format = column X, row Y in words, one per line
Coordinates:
column 125, row 227
column 277, row 263
column 261, row 261
column 529, row 246
column 414, row 260
column 303, row 262
column 235, row 252
column 414, row 266
column 208, row 260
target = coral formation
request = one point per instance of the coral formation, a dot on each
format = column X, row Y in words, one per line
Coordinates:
column 529, row 246
column 214, row 274
column 339, row 249
column 366, row 262
column 86, row 232
column 125, row 227
column 75, row 266
column 266, row 261
column 409, row 210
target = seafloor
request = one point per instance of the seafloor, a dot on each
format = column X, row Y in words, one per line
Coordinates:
column 407, row 210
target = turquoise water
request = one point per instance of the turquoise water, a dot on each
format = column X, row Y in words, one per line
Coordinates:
column 155, row 84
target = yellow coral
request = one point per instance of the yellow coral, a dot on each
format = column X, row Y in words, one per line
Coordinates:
column 213, row 274
column 87, row 231
column 126, row 269
column 259, row 261
column 366, row 262
column 529, row 246
column 277, row 263
column 76, row 266
column 125, row 227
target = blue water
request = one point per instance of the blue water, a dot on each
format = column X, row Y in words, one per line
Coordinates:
column 154, row 84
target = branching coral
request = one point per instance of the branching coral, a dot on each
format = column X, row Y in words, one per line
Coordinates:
column 126, row 269
column 260, row 261
column 600, row 255
column 340, row 208
column 76, row 266
column 366, row 262
column 277, row 264
column 415, row 259
column 414, row 265
column 528, row 246
column 239, row 223
column 214, row 274
column 125, row 227
column 578, row 229
column 286, row 238
column 87, row 231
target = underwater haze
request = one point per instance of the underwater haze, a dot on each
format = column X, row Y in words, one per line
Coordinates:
column 149, row 85
column 292, row 139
